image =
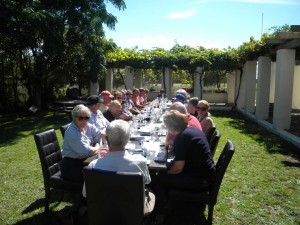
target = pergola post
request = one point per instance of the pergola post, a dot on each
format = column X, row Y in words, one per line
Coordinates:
column 263, row 88
column 109, row 79
column 296, row 89
column 240, row 81
column 250, row 86
column 128, row 77
column 197, row 86
column 138, row 78
column 285, row 65
column 94, row 88
column 168, row 80
column 231, row 89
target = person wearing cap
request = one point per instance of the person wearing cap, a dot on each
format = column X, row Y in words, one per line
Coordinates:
column 113, row 111
column 179, row 98
column 107, row 97
column 97, row 118
column 192, row 106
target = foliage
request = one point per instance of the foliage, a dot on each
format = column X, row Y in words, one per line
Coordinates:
column 48, row 44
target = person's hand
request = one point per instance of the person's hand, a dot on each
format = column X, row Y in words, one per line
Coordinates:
column 102, row 152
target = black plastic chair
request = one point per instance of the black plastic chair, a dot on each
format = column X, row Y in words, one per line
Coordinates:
column 210, row 133
column 63, row 129
column 209, row 197
column 50, row 157
column 214, row 142
column 114, row 198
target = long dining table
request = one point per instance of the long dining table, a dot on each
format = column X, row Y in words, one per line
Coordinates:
column 148, row 135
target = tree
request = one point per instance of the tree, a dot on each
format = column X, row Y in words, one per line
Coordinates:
column 53, row 43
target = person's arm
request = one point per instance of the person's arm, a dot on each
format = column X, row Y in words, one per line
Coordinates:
column 177, row 167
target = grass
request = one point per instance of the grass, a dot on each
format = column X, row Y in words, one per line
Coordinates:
column 261, row 185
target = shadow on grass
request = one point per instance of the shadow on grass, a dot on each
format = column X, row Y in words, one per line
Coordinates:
column 273, row 144
column 40, row 219
column 54, row 217
column 14, row 127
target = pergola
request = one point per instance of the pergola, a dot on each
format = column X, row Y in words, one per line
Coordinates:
column 272, row 77
column 277, row 82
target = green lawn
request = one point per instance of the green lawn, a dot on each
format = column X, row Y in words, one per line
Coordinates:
column 261, row 186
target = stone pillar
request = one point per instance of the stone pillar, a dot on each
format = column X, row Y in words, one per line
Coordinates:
column 240, row 89
column 263, row 88
column 138, row 78
column 272, row 82
column 168, row 80
column 231, row 93
column 94, row 88
column 285, row 65
column 128, row 77
column 250, row 86
column 109, row 80
column 296, row 89
column 197, row 87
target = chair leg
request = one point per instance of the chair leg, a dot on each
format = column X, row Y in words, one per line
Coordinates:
column 47, row 200
column 210, row 215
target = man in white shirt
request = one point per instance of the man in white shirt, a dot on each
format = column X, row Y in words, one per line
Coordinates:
column 118, row 159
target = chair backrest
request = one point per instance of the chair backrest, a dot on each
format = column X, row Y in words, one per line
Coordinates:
column 221, row 166
column 210, row 133
column 214, row 142
column 114, row 198
column 49, row 153
column 63, row 129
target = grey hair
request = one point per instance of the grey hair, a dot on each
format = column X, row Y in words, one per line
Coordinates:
column 175, row 121
column 80, row 109
column 118, row 133
column 180, row 107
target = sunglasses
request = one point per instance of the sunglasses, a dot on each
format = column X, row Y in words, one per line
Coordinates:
column 119, row 97
column 80, row 118
column 202, row 108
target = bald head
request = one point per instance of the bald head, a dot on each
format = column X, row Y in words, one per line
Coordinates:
column 180, row 107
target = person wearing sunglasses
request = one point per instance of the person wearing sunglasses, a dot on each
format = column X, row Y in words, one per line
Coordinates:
column 125, row 113
column 81, row 141
column 204, row 116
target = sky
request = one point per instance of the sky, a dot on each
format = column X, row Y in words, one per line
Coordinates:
column 147, row 24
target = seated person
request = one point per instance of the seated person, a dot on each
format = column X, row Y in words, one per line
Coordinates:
column 178, row 98
column 125, row 113
column 81, row 141
column 193, row 167
column 192, row 121
column 113, row 111
column 97, row 118
column 130, row 104
column 192, row 106
column 119, row 160
column 204, row 116
column 162, row 94
column 107, row 97
column 136, row 99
